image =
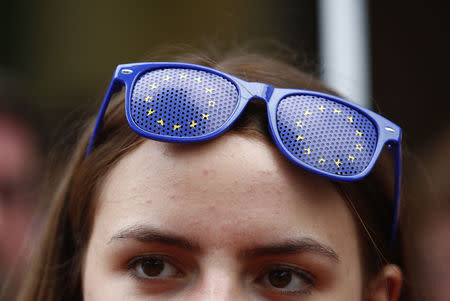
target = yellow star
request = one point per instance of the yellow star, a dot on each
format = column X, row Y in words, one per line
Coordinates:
column 193, row 124
column 154, row 86
column 148, row 98
column 359, row 133
column 359, row 147
column 150, row 112
column 211, row 103
column 205, row 116
column 176, row 127
column 299, row 123
column 321, row 161
column 182, row 75
column 161, row 122
column 350, row 157
column 198, row 79
column 350, row 119
column 322, row 108
column 336, row 111
column 209, row 90
column 300, row 138
column 307, row 113
column 338, row 163
column 307, row 151
column 167, row 77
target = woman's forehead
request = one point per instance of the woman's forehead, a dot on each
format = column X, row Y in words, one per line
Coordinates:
column 233, row 187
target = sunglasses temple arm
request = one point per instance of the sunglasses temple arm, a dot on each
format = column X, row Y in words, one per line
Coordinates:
column 397, row 152
column 114, row 87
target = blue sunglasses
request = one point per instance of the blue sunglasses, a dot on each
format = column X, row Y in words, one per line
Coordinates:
column 325, row 134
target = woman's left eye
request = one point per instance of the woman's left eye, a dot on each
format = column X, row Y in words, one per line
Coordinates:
column 287, row 280
column 153, row 267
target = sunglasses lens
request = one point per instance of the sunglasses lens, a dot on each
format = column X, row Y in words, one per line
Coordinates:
column 180, row 102
column 326, row 135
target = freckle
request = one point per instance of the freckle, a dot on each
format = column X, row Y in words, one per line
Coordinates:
column 209, row 173
column 149, row 202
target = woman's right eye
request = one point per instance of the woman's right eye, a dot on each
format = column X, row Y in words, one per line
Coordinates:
column 153, row 267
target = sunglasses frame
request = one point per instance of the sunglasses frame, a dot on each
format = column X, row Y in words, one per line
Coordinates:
column 389, row 134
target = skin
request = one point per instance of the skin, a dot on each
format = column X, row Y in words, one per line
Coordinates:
column 223, row 216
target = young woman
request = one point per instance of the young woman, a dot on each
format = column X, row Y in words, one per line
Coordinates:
column 232, row 213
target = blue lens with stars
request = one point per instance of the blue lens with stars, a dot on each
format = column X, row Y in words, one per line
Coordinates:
column 183, row 102
column 176, row 102
column 326, row 134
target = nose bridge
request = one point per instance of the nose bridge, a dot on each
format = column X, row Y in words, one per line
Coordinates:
column 260, row 90
column 219, row 284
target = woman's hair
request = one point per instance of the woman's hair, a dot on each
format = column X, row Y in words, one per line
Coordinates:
column 56, row 274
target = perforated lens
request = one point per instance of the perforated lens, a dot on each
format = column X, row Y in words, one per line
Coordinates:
column 325, row 134
column 182, row 102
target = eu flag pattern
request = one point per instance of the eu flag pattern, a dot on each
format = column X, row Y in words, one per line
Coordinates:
column 325, row 134
column 181, row 102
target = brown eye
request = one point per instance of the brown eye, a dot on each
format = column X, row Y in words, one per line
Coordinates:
column 286, row 279
column 154, row 267
column 280, row 278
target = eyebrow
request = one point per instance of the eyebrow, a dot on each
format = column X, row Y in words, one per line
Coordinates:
column 292, row 246
column 149, row 234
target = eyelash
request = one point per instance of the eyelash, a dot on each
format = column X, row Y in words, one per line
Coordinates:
column 133, row 265
column 301, row 275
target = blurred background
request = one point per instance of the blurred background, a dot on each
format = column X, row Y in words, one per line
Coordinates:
column 57, row 58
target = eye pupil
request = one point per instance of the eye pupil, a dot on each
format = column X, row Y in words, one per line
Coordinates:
column 152, row 267
column 280, row 278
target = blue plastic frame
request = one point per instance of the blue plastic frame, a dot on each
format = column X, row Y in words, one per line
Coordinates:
column 388, row 132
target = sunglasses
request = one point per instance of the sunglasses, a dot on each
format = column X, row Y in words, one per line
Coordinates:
column 322, row 133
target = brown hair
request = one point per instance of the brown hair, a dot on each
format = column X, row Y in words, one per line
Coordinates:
column 56, row 274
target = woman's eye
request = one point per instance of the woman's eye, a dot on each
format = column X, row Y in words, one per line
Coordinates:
column 287, row 280
column 153, row 267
